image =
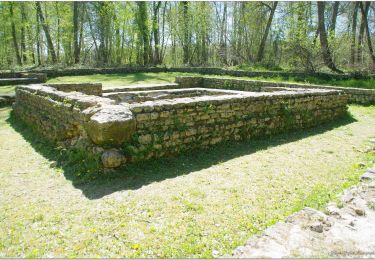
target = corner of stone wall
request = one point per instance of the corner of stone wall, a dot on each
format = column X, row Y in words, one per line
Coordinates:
column 189, row 81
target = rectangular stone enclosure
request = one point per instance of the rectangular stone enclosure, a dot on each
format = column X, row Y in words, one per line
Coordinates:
column 134, row 123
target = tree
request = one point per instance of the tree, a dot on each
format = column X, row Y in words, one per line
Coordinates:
column 364, row 17
column 186, row 32
column 354, row 32
column 323, row 39
column 76, row 31
column 155, row 31
column 142, row 21
column 335, row 11
column 45, row 26
column 265, row 35
column 14, row 35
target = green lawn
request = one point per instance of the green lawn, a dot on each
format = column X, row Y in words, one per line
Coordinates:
column 164, row 77
column 194, row 205
column 121, row 79
column 6, row 89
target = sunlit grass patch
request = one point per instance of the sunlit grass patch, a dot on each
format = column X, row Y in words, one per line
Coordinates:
column 186, row 206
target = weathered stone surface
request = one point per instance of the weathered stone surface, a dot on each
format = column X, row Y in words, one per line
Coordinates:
column 112, row 158
column 111, row 125
column 368, row 176
column 310, row 233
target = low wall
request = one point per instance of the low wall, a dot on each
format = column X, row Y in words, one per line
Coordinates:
column 87, row 88
column 355, row 95
column 139, row 131
column 201, row 70
column 75, row 120
column 13, row 78
column 164, row 128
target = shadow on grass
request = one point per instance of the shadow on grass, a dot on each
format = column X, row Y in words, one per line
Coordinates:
column 134, row 176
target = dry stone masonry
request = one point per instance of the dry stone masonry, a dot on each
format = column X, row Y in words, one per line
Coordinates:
column 136, row 123
column 355, row 95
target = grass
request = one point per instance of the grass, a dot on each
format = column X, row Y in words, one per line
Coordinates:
column 6, row 89
column 142, row 78
column 121, row 79
column 186, row 206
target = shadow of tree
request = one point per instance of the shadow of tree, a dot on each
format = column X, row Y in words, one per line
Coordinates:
column 135, row 175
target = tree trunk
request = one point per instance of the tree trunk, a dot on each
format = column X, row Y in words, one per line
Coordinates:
column 76, row 31
column 38, row 40
column 186, row 42
column 369, row 43
column 335, row 11
column 323, row 39
column 143, row 28
column 360, row 37
column 23, row 33
column 46, row 32
column 354, row 32
column 58, row 31
column 265, row 35
column 14, row 35
column 155, row 31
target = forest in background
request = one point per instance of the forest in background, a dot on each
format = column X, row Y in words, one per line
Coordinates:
column 304, row 36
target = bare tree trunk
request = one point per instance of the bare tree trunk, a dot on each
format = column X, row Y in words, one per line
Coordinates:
column 323, row 39
column 369, row 43
column 14, row 35
column 186, row 44
column 335, row 11
column 265, row 35
column 58, row 31
column 46, row 32
column 38, row 40
column 155, row 31
column 354, row 32
column 23, row 33
column 75, row 32
column 143, row 28
column 360, row 37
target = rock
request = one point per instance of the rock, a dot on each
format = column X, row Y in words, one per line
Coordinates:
column 317, row 227
column 361, row 164
column 111, row 125
column 368, row 176
column 359, row 211
column 372, row 170
column 333, row 210
column 53, row 164
column 371, row 185
column 372, row 140
column 112, row 158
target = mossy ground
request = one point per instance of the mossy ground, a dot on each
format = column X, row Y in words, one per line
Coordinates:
column 185, row 206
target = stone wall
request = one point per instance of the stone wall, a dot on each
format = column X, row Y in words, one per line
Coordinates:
column 13, row 78
column 164, row 128
column 120, row 132
column 74, row 119
column 87, row 88
column 200, row 70
column 355, row 95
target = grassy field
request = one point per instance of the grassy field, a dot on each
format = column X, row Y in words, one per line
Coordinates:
column 6, row 89
column 122, row 79
column 141, row 78
column 199, row 204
